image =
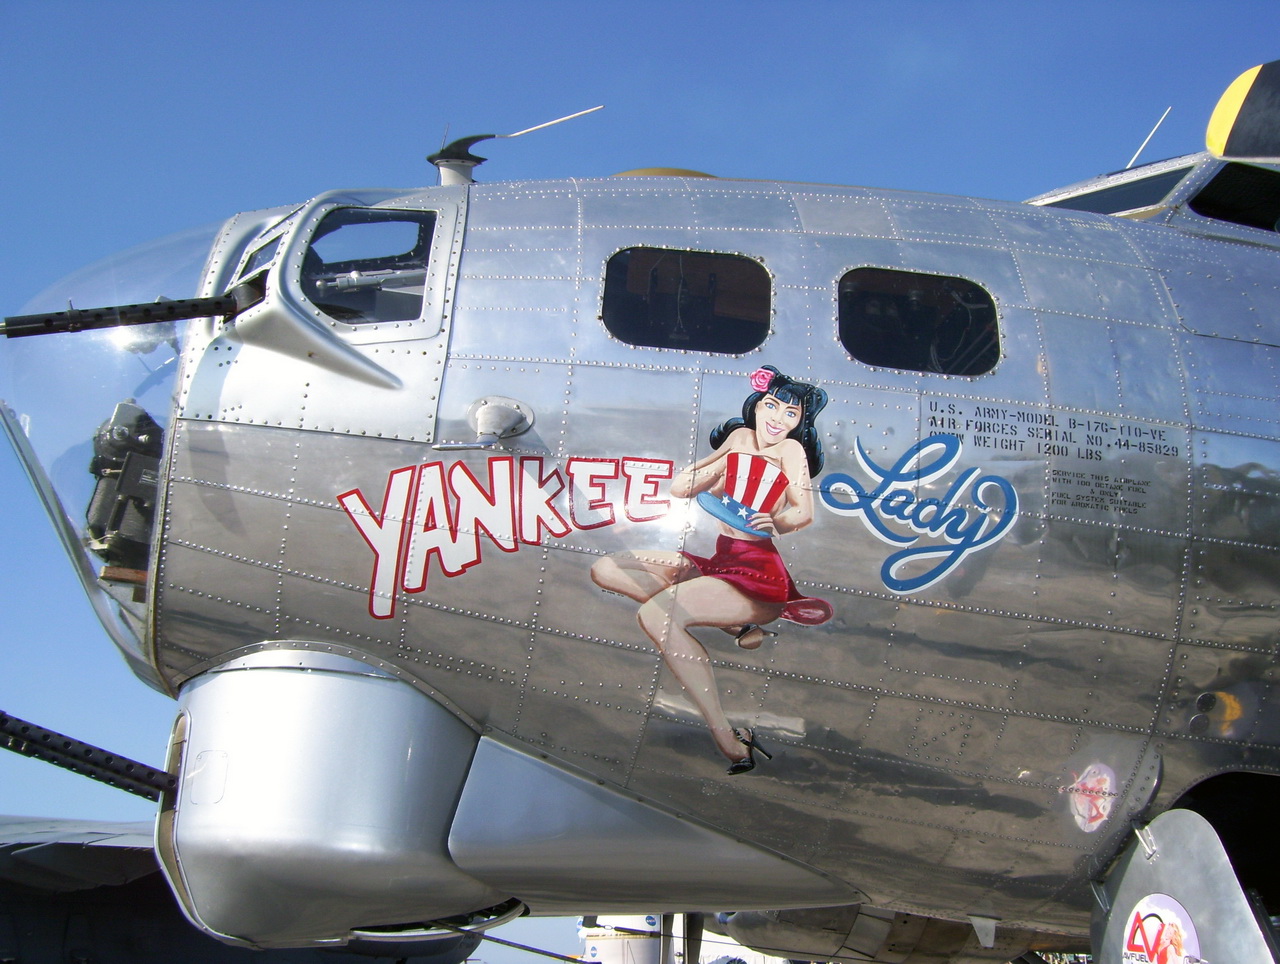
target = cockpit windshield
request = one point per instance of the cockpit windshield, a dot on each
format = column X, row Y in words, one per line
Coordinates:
column 87, row 412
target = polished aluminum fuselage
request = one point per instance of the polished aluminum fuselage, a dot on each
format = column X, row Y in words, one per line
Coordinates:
column 933, row 748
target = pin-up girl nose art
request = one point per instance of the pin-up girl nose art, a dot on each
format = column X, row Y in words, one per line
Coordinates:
column 756, row 484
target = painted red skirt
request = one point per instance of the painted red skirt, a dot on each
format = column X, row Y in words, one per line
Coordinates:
column 756, row 568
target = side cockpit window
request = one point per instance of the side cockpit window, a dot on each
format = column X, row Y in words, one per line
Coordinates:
column 261, row 257
column 917, row 322
column 367, row 265
column 691, row 300
column 1131, row 195
column 1241, row 194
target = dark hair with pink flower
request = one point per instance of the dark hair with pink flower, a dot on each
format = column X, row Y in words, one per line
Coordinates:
column 767, row 380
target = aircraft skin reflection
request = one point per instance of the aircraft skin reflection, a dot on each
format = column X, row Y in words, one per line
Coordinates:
column 1036, row 578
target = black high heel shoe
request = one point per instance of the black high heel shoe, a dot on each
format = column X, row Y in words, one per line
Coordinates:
column 748, row 762
column 747, row 637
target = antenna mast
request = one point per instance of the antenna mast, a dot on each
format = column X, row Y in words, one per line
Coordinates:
column 456, row 163
column 1149, row 136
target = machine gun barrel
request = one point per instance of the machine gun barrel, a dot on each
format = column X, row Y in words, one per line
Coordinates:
column 122, row 316
column 83, row 758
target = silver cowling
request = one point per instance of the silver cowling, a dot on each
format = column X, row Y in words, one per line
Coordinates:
column 314, row 796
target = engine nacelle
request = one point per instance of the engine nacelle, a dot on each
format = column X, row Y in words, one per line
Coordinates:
column 314, row 798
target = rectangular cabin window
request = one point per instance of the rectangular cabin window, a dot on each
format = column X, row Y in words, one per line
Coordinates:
column 368, row 265
column 918, row 322
column 692, row 300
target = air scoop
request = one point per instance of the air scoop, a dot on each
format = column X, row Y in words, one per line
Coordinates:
column 492, row 418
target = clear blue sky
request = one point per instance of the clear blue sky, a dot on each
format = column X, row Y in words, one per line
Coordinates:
column 121, row 122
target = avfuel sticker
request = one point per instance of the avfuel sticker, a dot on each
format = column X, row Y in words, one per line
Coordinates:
column 1160, row 931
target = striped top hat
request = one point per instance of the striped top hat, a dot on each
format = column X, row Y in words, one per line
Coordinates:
column 751, row 484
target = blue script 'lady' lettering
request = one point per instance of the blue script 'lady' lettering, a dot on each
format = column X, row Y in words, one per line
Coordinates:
column 976, row 511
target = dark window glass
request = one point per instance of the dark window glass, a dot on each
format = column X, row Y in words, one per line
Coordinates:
column 1242, row 195
column 920, row 322
column 1143, row 193
column 658, row 298
column 368, row 265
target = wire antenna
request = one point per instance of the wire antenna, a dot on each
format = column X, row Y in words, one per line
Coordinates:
column 558, row 120
column 456, row 162
column 1149, row 136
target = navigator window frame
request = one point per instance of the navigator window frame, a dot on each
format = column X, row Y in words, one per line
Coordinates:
column 681, row 301
column 884, row 316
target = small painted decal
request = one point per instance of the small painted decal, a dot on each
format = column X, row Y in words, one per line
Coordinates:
column 938, row 532
column 1160, row 931
column 1091, row 795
